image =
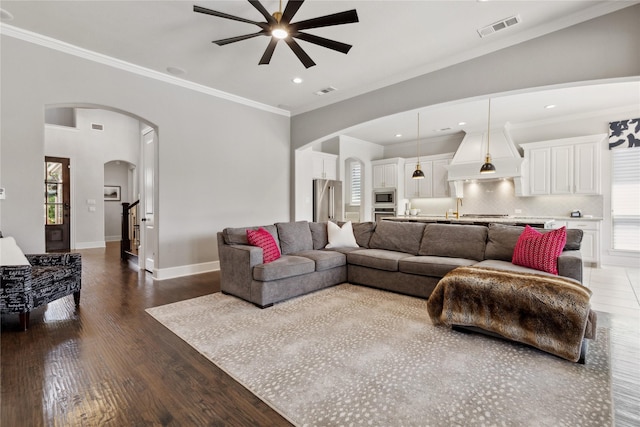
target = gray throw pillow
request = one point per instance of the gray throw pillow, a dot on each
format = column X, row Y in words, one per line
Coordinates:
column 319, row 234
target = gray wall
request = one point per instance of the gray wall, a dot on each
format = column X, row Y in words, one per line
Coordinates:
column 220, row 163
column 115, row 173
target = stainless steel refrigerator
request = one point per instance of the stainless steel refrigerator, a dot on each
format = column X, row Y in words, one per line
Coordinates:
column 327, row 200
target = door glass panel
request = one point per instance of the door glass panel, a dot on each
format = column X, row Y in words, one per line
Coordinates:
column 54, row 200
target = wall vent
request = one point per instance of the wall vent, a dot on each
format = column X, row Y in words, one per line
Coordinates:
column 500, row 25
column 96, row 126
column 325, row 90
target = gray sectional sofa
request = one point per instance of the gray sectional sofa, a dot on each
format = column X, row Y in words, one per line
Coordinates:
column 404, row 257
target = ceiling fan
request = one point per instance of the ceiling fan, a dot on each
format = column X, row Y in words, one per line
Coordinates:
column 280, row 27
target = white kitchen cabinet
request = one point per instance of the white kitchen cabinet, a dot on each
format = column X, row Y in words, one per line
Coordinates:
column 564, row 166
column 562, row 169
column 590, row 246
column 415, row 188
column 586, row 169
column 435, row 183
column 539, row 171
column 325, row 166
column 385, row 172
column 440, row 175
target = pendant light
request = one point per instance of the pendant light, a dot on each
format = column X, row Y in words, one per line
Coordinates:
column 418, row 174
column 488, row 167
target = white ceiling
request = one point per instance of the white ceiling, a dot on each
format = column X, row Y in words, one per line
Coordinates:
column 394, row 41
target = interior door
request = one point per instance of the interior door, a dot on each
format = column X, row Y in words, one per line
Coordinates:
column 148, row 230
column 57, row 204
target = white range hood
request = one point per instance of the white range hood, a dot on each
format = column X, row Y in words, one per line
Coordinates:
column 471, row 153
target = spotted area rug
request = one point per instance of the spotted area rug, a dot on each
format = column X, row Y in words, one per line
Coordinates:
column 352, row 355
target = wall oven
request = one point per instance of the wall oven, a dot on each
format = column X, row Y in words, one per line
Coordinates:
column 379, row 213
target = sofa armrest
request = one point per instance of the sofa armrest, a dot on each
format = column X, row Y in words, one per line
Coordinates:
column 570, row 265
column 236, row 267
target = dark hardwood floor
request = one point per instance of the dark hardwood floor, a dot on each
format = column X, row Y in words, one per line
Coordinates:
column 111, row 364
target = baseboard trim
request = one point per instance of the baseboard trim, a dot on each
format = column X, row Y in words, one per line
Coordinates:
column 113, row 238
column 186, row 270
column 90, row 245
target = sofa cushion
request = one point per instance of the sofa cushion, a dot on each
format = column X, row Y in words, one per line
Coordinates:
column 238, row 236
column 540, row 250
column 341, row 236
column 397, row 236
column 363, row 232
column 456, row 241
column 286, row 266
column 263, row 239
column 294, row 237
column 325, row 260
column 574, row 239
column 376, row 258
column 319, row 234
column 434, row 266
column 501, row 240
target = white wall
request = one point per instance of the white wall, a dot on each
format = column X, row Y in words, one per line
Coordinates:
column 116, row 173
column 220, row 163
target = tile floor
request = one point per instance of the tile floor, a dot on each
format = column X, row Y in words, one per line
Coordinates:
column 616, row 296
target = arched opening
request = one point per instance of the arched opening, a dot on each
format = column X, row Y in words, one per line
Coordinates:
column 104, row 146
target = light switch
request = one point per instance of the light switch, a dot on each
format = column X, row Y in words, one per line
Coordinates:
column 92, row 208
column 91, row 201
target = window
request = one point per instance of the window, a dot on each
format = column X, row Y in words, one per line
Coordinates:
column 355, row 183
column 625, row 198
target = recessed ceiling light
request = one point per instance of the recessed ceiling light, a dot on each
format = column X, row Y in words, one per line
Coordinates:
column 297, row 80
column 398, row 135
column 462, row 123
column 5, row 15
column 550, row 106
column 176, row 71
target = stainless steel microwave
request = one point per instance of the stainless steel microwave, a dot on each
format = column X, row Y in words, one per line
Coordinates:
column 384, row 197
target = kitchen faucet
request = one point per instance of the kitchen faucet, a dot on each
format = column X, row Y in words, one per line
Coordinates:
column 457, row 212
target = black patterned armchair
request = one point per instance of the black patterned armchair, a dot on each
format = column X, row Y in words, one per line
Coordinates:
column 48, row 278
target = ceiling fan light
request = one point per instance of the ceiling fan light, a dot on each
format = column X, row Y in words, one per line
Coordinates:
column 279, row 33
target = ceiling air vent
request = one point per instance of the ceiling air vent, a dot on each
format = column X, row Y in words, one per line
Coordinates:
column 325, row 90
column 500, row 25
column 96, row 126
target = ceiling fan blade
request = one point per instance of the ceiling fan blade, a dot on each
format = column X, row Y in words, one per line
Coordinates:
column 270, row 19
column 301, row 54
column 266, row 57
column 321, row 41
column 346, row 17
column 223, row 42
column 290, row 9
column 206, row 11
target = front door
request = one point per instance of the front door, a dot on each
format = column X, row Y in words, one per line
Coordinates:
column 57, row 204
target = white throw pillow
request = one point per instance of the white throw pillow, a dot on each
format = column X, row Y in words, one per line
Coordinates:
column 341, row 237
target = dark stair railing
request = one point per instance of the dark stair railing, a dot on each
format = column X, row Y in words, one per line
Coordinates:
column 130, row 231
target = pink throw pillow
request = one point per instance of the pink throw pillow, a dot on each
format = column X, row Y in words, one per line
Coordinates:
column 262, row 238
column 540, row 251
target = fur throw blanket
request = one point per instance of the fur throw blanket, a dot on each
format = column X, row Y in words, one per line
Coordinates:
column 551, row 313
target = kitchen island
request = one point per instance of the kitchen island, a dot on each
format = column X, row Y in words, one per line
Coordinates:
column 538, row 222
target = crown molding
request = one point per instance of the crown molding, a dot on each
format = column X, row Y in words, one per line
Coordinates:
column 51, row 43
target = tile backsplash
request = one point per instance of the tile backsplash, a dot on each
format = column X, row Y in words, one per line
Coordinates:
column 498, row 197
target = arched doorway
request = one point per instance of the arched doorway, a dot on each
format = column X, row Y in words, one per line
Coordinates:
column 96, row 138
